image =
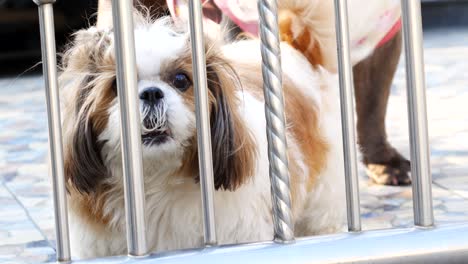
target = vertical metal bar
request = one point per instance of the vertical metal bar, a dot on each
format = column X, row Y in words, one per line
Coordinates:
column 127, row 84
column 416, row 85
column 205, row 158
column 49, row 66
column 274, row 113
column 347, row 115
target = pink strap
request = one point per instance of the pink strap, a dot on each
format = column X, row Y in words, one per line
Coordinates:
column 393, row 31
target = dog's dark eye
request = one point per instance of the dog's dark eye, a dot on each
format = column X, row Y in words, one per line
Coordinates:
column 114, row 86
column 181, row 81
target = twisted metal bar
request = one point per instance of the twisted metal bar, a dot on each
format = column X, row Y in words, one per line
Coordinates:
column 416, row 85
column 49, row 64
column 347, row 115
column 274, row 113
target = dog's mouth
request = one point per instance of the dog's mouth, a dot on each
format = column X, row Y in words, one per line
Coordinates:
column 154, row 138
column 155, row 130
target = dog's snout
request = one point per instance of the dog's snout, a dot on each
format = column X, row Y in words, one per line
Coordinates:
column 151, row 95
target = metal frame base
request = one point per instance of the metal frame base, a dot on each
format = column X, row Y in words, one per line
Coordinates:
column 444, row 244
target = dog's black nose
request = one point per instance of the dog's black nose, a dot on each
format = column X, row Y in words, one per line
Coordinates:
column 151, row 95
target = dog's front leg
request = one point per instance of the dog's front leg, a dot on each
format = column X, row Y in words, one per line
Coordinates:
column 372, row 80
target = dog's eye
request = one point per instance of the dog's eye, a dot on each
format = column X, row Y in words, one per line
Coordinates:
column 181, row 81
column 114, row 86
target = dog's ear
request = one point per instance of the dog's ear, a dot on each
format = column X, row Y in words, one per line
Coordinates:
column 86, row 118
column 87, row 89
column 85, row 121
column 234, row 151
column 84, row 166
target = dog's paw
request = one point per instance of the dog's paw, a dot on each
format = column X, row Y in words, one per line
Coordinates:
column 394, row 172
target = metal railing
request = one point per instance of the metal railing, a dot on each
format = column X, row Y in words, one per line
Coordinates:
column 203, row 119
column 274, row 113
column 345, row 71
column 49, row 64
column 412, row 245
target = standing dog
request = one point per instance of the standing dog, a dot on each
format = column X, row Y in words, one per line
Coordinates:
column 374, row 66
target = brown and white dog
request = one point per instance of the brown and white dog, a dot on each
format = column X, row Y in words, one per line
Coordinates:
column 373, row 71
column 91, row 130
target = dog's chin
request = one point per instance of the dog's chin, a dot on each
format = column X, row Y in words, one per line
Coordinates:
column 156, row 138
column 159, row 144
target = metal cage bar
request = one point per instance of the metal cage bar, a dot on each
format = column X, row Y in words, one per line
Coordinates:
column 347, row 115
column 275, row 119
column 203, row 121
column 127, row 84
column 49, row 65
column 416, row 85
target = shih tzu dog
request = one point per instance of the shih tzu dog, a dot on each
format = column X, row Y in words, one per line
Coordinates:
column 91, row 128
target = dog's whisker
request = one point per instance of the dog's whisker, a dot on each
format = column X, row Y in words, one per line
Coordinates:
column 154, row 118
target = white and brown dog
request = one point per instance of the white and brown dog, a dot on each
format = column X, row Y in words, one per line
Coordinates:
column 173, row 208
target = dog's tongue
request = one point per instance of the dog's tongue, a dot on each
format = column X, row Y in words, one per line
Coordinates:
column 242, row 12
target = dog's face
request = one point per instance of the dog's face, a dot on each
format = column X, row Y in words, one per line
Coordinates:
column 167, row 110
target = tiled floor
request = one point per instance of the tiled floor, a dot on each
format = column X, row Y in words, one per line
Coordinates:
column 26, row 215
